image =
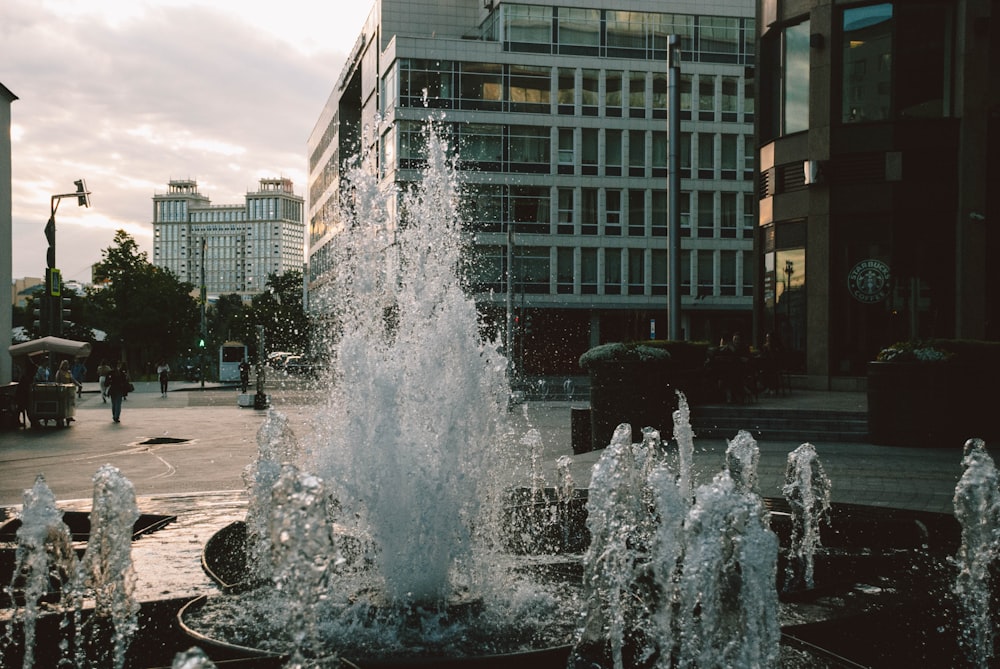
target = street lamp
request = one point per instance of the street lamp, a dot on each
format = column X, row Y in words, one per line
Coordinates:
column 53, row 278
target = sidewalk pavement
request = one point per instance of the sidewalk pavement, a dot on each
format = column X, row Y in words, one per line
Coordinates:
column 198, row 440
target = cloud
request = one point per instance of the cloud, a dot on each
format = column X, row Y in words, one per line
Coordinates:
column 170, row 92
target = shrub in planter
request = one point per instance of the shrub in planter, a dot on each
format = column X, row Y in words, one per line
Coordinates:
column 932, row 392
column 628, row 384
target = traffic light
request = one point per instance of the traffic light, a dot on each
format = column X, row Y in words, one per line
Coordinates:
column 527, row 324
column 50, row 236
column 82, row 194
column 41, row 315
column 67, row 313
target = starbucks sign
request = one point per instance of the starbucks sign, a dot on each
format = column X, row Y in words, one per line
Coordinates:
column 868, row 281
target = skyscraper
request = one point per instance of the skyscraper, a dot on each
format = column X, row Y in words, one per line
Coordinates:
column 558, row 113
column 243, row 243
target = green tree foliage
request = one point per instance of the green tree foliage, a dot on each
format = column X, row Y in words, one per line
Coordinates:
column 279, row 309
column 229, row 319
column 145, row 310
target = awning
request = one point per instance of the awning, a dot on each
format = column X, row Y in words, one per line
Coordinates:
column 68, row 347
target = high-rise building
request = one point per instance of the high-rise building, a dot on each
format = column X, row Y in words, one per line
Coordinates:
column 240, row 244
column 558, row 113
column 879, row 132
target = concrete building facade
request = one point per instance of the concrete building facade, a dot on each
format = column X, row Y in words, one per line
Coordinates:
column 6, row 225
column 879, row 139
column 558, row 114
column 240, row 244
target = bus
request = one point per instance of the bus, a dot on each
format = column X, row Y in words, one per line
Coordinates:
column 231, row 354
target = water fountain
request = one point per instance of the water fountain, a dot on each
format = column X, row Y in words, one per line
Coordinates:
column 399, row 533
column 400, row 544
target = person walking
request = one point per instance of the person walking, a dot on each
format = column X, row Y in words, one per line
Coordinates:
column 244, row 375
column 79, row 374
column 117, row 385
column 163, row 373
column 103, row 370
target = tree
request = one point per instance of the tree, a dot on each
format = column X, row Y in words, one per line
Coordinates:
column 229, row 319
column 145, row 310
column 279, row 309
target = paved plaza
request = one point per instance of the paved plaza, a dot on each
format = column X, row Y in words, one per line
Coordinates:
column 199, row 440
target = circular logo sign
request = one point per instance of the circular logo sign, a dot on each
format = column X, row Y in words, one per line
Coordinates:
column 868, row 281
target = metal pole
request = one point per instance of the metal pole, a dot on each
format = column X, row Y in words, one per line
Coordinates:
column 509, row 304
column 204, row 324
column 674, row 187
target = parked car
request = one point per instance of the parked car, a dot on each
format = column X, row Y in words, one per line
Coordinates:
column 299, row 366
column 277, row 359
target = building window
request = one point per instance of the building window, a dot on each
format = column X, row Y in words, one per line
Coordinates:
column 660, row 95
column 590, row 91
column 481, row 146
column 613, row 93
column 588, row 271
column 565, row 224
column 425, row 83
column 659, row 272
column 706, row 214
column 727, row 273
column 612, row 212
column 660, row 153
column 567, row 154
column 480, row 86
column 529, row 89
column 613, row 153
column 658, row 214
column 729, row 100
column 588, row 150
column 528, row 149
column 727, row 215
column 529, row 209
column 636, row 213
column 612, row 271
column 637, row 153
column 637, row 94
column 533, row 264
column 883, row 78
column 786, row 53
column 588, row 211
column 706, row 273
column 564, row 270
column 566, row 95
column 579, row 31
column 706, row 156
column 706, row 98
column 728, row 164
column 636, row 271
column 528, row 28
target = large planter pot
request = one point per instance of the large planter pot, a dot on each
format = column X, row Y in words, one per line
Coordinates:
column 634, row 392
column 919, row 404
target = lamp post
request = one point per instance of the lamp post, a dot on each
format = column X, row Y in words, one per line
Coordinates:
column 53, row 278
column 674, row 187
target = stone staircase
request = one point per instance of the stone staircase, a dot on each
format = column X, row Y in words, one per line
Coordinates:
column 780, row 424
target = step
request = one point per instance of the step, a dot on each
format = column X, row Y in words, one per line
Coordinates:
column 780, row 424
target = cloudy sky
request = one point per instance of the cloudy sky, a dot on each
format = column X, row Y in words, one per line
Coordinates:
column 129, row 94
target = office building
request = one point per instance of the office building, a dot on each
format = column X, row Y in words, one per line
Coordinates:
column 559, row 115
column 879, row 133
column 240, row 244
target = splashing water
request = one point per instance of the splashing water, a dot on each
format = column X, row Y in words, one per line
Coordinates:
column 44, row 560
column 106, row 568
column 742, row 459
column 977, row 508
column 684, row 436
column 418, row 398
column 807, row 490
column 668, row 576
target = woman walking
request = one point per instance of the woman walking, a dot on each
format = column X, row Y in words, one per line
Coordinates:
column 163, row 373
column 117, row 384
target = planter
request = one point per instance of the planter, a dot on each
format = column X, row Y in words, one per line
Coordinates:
column 924, row 404
column 635, row 392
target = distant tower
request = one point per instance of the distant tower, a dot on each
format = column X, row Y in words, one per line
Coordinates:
column 244, row 243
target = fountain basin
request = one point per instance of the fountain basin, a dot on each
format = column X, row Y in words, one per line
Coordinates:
column 879, row 569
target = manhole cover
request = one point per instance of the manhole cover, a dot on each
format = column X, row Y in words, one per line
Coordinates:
column 163, row 440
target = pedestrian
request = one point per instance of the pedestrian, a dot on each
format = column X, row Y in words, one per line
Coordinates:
column 24, row 382
column 118, row 385
column 42, row 371
column 244, row 375
column 102, row 373
column 79, row 374
column 163, row 373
